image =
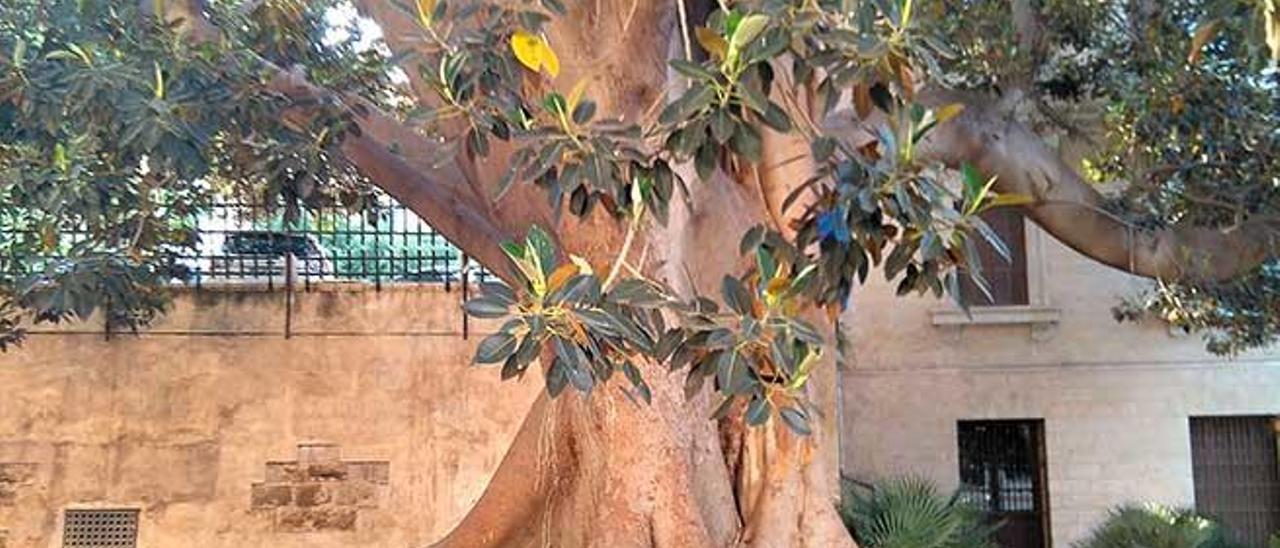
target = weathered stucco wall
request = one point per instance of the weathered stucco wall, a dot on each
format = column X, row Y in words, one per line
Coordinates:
column 1115, row 398
column 366, row 428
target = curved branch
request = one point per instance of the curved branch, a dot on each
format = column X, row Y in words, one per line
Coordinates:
column 1070, row 208
column 437, row 191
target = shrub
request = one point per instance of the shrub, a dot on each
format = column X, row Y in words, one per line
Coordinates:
column 1156, row 526
column 910, row 513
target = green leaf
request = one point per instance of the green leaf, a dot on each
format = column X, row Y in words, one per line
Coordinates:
column 498, row 292
column 575, row 364
column 993, row 239
column 796, row 420
column 557, row 378
column 495, row 348
column 693, row 70
column 727, row 371
column 598, row 321
column 822, row 148
column 636, row 293
column 735, row 295
column 747, row 30
column 765, row 264
column 580, row 289
column 543, row 248
column 584, row 112
column 751, row 239
column 747, row 143
column 513, row 250
column 511, row 368
column 776, row 118
column 758, row 411
column 705, row 161
column 555, row 103
column 693, row 101
column 721, row 126
column 485, row 307
column 973, row 181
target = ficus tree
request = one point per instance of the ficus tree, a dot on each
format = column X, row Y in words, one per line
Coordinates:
column 679, row 196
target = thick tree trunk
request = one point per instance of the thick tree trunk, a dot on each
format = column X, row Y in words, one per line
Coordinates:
column 606, row 471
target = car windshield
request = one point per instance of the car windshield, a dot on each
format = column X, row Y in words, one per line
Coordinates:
column 270, row 243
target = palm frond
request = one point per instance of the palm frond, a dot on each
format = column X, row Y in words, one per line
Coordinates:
column 909, row 512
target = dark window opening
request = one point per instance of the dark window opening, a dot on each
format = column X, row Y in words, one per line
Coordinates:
column 1002, row 472
column 1007, row 280
column 116, row 528
column 1236, row 469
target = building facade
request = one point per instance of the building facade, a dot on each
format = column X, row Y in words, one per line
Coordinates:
column 341, row 414
column 340, row 417
column 1047, row 412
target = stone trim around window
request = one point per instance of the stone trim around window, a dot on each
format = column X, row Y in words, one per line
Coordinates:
column 997, row 315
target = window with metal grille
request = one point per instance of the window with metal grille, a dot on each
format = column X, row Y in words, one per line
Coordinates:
column 1002, row 473
column 1236, row 469
column 117, row 528
column 1006, row 279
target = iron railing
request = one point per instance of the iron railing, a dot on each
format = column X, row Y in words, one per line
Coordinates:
column 384, row 243
column 240, row 242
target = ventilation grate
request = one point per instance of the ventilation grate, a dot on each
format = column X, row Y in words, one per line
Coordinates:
column 101, row 529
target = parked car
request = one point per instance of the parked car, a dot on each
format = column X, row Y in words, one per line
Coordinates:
column 258, row 254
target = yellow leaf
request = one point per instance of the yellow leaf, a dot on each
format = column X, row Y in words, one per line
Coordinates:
column 711, row 41
column 748, row 29
column 862, row 100
column 1204, row 34
column 582, row 264
column 426, row 9
column 906, row 78
column 528, row 50
column 560, row 276
column 533, row 52
column 159, row 87
column 948, row 112
column 575, row 95
column 1011, row 199
column 1271, row 22
column 49, row 237
column 549, row 60
column 777, row 285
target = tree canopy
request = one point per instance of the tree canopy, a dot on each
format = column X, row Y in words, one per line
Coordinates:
column 122, row 120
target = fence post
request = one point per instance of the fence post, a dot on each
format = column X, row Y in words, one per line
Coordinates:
column 290, row 273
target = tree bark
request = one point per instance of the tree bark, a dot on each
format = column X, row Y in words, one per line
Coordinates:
column 1067, row 206
column 604, row 471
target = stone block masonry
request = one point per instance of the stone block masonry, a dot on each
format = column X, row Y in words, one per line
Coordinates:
column 179, row 420
column 13, row 477
column 319, row 491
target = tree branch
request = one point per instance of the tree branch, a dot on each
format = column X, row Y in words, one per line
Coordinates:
column 1071, row 209
column 437, row 191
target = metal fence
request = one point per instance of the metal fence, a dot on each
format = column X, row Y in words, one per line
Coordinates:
column 251, row 243
column 385, row 243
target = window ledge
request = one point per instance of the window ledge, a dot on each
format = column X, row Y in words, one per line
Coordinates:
column 1034, row 315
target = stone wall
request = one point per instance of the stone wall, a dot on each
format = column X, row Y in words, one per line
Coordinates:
column 1115, row 398
column 366, row 427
